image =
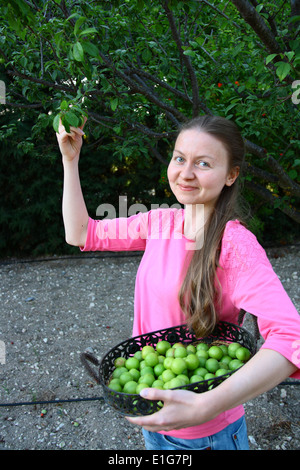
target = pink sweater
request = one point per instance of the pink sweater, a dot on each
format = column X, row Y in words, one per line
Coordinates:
column 246, row 275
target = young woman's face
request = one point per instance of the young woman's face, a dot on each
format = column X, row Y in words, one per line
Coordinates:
column 199, row 168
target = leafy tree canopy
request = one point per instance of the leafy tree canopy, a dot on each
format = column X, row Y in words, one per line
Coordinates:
column 140, row 68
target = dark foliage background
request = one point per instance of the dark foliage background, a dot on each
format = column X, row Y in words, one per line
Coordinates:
column 140, row 69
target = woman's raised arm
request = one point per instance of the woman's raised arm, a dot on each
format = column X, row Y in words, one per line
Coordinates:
column 75, row 214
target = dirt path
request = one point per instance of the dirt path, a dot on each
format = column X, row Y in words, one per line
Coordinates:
column 53, row 310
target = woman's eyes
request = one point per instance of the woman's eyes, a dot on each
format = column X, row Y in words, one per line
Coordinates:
column 200, row 163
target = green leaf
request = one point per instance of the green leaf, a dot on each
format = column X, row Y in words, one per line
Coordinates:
column 81, row 120
column 72, row 119
column 297, row 59
column 293, row 174
column 65, row 124
column 78, row 52
column 114, row 104
column 88, row 31
column 270, row 58
column 230, row 107
column 74, row 15
column 290, row 55
column 64, row 105
column 294, row 19
column 190, row 53
column 283, row 69
column 140, row 5
column 56, row 123
column 90, row 49
column 78, row 23
column 79, row 111
column 118, row 129
column 146, row 55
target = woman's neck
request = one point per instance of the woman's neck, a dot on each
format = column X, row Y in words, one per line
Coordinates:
column 195, row 218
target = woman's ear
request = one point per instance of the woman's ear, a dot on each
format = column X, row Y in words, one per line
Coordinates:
column 232, row 175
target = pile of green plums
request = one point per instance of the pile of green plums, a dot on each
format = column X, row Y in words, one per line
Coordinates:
column 167, row 366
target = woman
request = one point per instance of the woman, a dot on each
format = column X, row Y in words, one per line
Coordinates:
column 225, row 271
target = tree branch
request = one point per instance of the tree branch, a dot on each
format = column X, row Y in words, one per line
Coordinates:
column 33, row 6
column 250, row 15
column 40, row 81
column 139, row 88
column 219, row 12
column 133, row 126
column 285, row 182
column 161, row 83
column 259, row 173
column 197, row 105
column 264, row 193
column 155, row 153
column 295, row 11
column 270, row 19
column 26, row 106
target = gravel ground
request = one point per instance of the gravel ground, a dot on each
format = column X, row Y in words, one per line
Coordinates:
column 51, row 311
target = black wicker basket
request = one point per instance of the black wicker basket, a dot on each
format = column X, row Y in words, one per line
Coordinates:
column 135, row 405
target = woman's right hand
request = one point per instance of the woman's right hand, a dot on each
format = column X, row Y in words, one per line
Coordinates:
column 70, row 143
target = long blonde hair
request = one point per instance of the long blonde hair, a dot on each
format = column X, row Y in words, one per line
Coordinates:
column 200, row 294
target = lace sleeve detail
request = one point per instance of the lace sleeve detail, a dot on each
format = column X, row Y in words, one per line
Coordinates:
column 240, row 252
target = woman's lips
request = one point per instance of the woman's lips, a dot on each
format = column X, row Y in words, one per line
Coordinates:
column 187, row 188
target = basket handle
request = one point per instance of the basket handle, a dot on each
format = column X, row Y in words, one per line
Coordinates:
column 87, row 357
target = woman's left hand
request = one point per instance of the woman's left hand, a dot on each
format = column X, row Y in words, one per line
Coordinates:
column 181, row 410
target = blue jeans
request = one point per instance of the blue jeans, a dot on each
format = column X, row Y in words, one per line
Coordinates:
column 233, row 437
